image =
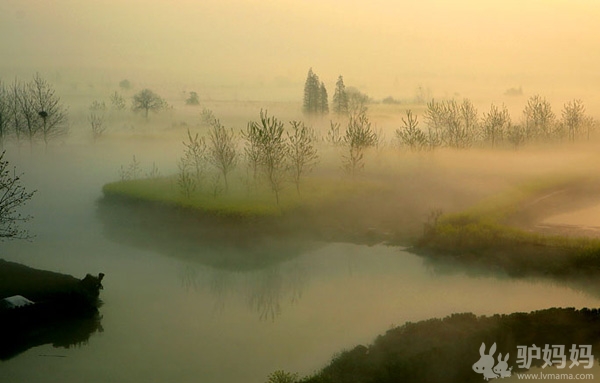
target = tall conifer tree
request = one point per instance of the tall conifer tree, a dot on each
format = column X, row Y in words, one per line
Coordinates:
column 323, row 100
column 315, row 95
column 340, row 98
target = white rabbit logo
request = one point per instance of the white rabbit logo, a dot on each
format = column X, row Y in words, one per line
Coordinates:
column 502, row 367
column 485, row 364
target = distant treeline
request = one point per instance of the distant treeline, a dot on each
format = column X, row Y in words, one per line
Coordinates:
column 274, row 153
column 345, row 102
column 458, row 125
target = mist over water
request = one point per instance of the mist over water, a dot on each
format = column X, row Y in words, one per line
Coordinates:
column 186, row 301
column 171, row 318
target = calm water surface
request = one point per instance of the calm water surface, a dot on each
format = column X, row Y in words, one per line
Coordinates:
column 168, row 319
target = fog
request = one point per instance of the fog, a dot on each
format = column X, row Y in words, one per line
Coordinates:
column 234, row 295
column 262, row 49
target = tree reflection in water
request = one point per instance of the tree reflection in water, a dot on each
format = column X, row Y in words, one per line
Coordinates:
column 265, row 290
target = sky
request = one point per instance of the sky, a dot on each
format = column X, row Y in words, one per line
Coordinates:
column 384, row 47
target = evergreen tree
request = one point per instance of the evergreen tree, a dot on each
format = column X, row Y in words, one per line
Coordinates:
column 323, row 100
column 311, row 93
column 340, row 98
column 315, row 95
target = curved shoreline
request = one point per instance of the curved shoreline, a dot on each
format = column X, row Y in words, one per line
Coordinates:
column 507, row 236
column 534, row 215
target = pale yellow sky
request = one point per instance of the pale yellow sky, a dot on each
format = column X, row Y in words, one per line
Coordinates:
column 474, row 48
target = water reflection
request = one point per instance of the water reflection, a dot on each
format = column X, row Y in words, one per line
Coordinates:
column 265, row 291
column 61, row 333
column 212, row 241
column 265, row 295
column 587, row 284
column 218, row 282
column 268, row 269
column 269, row 287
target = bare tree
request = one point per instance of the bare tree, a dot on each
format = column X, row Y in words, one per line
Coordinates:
column 185, row 178
column 252, row 149
column 132, row 172
column 357, row 101
column 117, row 101
column 333, row 134
column 12, row 196
column 146, row 100
column 207, row 117
column 434, row 118
column 301, row 153
column 589, row 125
column 358, row 137
column 516, row 135
column 153, row 173
column 470, row 121
column 454, row 123
column 539, row 119
column 496, row 124
column 459, row 122
column 410, row 135
column 49, row 109
column 96, row 121
column 194, row 155
column 434, row 115
column 434, row 139
column 271, row 145
column 4, row 113
column 27, row 120
column 98, row 106
column 222, row 153
column 14, row 111
column 573, row 118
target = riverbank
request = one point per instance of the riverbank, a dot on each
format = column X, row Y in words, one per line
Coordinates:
column 505, row 232
column 500, row 232
column 327, row 209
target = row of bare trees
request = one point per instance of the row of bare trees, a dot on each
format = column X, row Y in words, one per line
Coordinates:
column 31, row 111
column 457, row 125
column 275, row 155
column 272, row 154
column 220, row 154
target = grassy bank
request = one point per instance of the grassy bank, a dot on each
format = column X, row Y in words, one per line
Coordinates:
column 498, row 232
column 240, row 201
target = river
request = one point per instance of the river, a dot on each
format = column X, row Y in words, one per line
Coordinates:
column 178, row 319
